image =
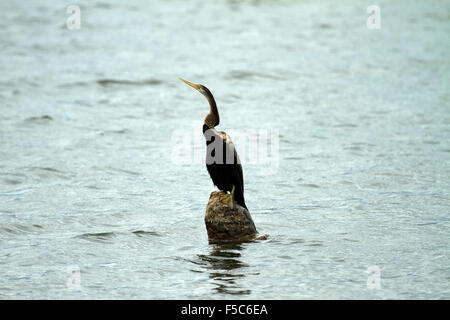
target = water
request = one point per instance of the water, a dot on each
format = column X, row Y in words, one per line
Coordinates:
column 87, row 121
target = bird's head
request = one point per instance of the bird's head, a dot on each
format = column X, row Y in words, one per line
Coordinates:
column 200, row 88
column 212, row 118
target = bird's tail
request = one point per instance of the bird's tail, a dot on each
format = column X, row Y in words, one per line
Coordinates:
column 239, row 198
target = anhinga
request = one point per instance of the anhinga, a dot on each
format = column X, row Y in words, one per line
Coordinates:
column 222, row 160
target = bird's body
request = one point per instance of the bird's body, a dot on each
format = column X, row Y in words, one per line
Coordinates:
column 222, row 160
column 225, row 172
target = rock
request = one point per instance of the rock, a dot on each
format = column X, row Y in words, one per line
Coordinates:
column 225, row 223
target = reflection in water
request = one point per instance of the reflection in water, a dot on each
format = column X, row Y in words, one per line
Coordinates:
column 225, row 268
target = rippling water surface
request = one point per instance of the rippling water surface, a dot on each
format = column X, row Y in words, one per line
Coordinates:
column 87, row 125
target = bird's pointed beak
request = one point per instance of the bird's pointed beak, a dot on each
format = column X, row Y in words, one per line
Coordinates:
column 195, row 86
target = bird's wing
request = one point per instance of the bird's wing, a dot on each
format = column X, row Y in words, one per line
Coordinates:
column 239, row 176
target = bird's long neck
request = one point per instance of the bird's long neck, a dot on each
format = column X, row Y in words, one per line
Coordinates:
column 212, row 118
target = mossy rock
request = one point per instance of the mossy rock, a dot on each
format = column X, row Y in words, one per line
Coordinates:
column 226, row 223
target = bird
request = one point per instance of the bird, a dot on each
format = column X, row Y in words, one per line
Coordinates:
column 222, row 160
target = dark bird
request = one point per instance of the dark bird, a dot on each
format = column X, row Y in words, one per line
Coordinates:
column 222, row 160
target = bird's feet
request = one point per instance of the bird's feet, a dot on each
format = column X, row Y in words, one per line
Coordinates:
column 227, row 198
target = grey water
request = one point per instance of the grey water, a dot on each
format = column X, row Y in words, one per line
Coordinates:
column 93, row 204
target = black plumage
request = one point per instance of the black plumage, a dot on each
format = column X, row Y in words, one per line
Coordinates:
column 225, row 173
